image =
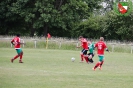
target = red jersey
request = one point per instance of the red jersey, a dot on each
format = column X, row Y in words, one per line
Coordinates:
column 100, row 47
column 16, row 42
column 84, row 44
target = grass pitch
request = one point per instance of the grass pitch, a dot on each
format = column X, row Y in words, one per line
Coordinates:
column 48, row 68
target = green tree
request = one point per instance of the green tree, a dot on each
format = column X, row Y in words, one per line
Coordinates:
column 59, row 17
column 41, row 15
column 118, row 27
column 92, row 28
column 9, row 21
column 122, row 26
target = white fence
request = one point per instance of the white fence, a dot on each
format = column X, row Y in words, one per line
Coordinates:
column 60, row 41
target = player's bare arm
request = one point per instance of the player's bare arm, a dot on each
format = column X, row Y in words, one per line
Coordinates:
column 78, row 46
column 12, row 43
column 22, row 43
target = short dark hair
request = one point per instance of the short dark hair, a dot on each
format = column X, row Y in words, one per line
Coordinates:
column 18, row 35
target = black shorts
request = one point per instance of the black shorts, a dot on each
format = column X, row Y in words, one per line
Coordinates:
column 91, row 54
column 91, row 60
column 84, row 51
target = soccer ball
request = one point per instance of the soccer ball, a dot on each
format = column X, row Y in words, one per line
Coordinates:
column 72, row 59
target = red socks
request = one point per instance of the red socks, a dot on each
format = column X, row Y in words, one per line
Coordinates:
column 21, row 57
column 97, row 65
column 16, row 57
column 82, row 57
column 86, row 58
column 101, row 64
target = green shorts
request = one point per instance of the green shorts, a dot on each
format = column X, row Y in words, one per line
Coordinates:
column 101, row 58
column 19, row 50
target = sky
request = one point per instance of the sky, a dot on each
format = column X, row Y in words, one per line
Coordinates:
column 105, row 4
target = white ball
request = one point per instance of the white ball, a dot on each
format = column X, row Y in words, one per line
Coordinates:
column 72, row 59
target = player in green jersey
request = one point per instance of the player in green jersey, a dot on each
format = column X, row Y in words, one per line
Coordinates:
column 91, row 51
column 90, row 55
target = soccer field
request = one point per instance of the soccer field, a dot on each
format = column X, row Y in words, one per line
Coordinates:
column 48, row 68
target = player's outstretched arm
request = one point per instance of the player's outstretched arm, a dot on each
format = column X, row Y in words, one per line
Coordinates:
column 78, row 46
column 22, row 43
column 107, row 50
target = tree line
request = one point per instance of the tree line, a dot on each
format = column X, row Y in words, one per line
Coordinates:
column 64, row 18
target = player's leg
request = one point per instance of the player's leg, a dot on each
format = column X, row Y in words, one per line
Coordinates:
column 15, row 57
column 21, row 55
column 86, row 58
column 81, row 55
column 90, row 57
column 101, row 62
column 98, row 64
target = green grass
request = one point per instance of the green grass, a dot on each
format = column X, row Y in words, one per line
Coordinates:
column 49, row 68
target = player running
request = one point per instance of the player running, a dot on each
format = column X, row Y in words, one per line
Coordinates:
column 84, row 45
column 16, row 42
column 101, row 46
column 91, row 51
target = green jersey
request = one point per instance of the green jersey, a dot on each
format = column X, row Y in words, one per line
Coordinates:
column 91, row 47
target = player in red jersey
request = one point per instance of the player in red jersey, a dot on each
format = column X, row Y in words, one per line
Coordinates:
column 84, row 45
column 16, row 42
column 101, row 46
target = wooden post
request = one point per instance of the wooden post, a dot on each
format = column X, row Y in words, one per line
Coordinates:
column 131, row 49
column 35, row 43
column 60, row 45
